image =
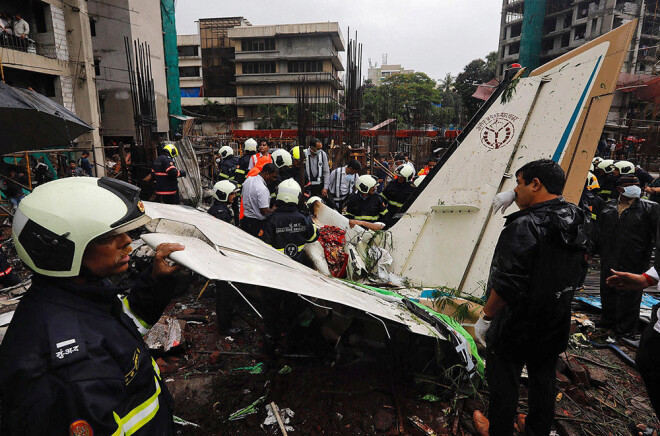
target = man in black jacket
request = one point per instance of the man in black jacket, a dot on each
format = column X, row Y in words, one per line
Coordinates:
column 537, row 265
column 627, row 228
column 73, row 360
column 167, row 175
column 250, row 149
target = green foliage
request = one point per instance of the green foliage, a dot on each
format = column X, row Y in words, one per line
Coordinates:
column 272, row 116
column 215, row 109
column 409, row 98
column 476, row 72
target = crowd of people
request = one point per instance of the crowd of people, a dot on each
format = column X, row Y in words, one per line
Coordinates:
column 14, row 31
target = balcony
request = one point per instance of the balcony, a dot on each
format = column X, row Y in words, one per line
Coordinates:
column 27, row 45
column 288, row 78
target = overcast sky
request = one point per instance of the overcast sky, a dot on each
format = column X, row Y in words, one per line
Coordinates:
column 432, row 36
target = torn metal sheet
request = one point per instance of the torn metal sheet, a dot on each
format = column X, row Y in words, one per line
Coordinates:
column 5, row 318
column 220, row 251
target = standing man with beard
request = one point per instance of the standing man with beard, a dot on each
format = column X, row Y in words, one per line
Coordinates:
column 536, row 268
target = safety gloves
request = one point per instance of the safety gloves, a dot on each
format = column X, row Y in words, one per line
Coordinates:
column 503, row 200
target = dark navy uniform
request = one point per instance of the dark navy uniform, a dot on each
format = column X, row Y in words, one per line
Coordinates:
column 228, row 168
column 73, row 358
column 166, row 174
column 242, row 169
column 607, row 184
column 288, row 230
column 7, row 275
column 370, row 209
column 396, row 194
column 222, row 212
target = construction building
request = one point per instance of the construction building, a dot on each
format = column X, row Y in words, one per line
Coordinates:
column 377, row 74
column 567, row 24
column 271, row 61
column 56, row 60
column 110, row 23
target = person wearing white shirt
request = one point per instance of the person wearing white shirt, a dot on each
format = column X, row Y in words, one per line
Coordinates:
column 317, row 168
column 21, row 27
column 342, row 182
column 256, row 199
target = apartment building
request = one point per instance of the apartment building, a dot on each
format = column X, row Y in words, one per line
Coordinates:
column 377, row 74
column 270, row 61
column 57, row 59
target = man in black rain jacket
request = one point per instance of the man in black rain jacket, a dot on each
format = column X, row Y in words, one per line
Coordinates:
column 537, row 265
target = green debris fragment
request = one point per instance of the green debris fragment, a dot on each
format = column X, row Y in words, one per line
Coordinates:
column 256, row 369
column 185, row 423
column 249, row 410
column 286, row 369
column 431, row 398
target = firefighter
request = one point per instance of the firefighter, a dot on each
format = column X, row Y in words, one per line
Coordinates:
column 399, row 191
column 166, row 174
column 366, row 205
column 592, row 205
column 229, row 163
column 286, row 229
column 299, row 174
column 250, row 147
column 604, row 172
column 73, row 360
column 224, row 194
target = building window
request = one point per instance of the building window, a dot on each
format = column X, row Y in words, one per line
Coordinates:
column 258, row 44
column 92, row 26
column 259, row 90
column 188, row 50
column 97, row 66
column 258, row 67
column 188, row 71
column 305, row 67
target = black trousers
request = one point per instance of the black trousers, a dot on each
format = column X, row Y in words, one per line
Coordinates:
column 226, row 300
column 648, row 362
column 251, row 225
column 503, row 376
column 620, row 308
column 170, row 199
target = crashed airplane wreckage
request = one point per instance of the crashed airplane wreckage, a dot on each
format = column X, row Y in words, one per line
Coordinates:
column 446, row 233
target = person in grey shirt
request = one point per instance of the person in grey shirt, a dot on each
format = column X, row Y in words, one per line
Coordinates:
column 317, row 168
column 256, row 199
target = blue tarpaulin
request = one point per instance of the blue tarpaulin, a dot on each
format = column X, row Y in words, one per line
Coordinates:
column 190, row 92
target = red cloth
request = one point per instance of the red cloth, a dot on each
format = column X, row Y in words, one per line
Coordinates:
column 332, row 240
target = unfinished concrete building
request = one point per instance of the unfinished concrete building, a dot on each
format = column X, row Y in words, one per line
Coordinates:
column 271, row 59
column 567, row 24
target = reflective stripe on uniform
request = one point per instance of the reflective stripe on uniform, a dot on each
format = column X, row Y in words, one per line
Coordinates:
column 314, row 235
column 5, row 272
column 300, row 248
column 392, row 202
column 240, row 171
column 141, row 325
column 138, row 417
column 605, row 191
column 165, row 192
column 160, row 174
column 156, row 368
column 366, row 217
column 593, row 216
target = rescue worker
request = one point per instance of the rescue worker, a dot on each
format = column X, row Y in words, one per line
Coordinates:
column 286, row 229
column 228, row 164
column 166, row 174
column 382, row 171
column 299, row 174
column 645, row 179
column 536, row 268
column 73, row 360
column 256, row 199
column 366, row 205
column 627, row 228
column 342, row 183
column 400, row 190
column 284, row 163
column 427, row 169
column 592, row 205
column 406, row 161
column 250, row 148
column 317, row 169
column 604, row 172
column 74, row 170
column 263, row 155
column 224, row 195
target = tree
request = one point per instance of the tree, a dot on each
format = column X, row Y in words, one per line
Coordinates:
column 412, row 99
column 475, row 73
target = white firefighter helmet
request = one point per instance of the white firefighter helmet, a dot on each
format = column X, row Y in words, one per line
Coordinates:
column 365, row 183
column 606, row 165
column 225, row 151
column 288, row 191
column 171, row 149
column 281, row 158
column 250, row 145
column 223, row 189
column 51, row 238
column 596, row 160
column 624, row 167
column 418, row 181
column 406, row 171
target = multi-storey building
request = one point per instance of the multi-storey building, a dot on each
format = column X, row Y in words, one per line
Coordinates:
column 377, row 74
column 56, row 59
column 110, row 23
column 567, row 24
column 271, row 60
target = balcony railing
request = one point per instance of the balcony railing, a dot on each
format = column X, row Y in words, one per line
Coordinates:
column 27, row 45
